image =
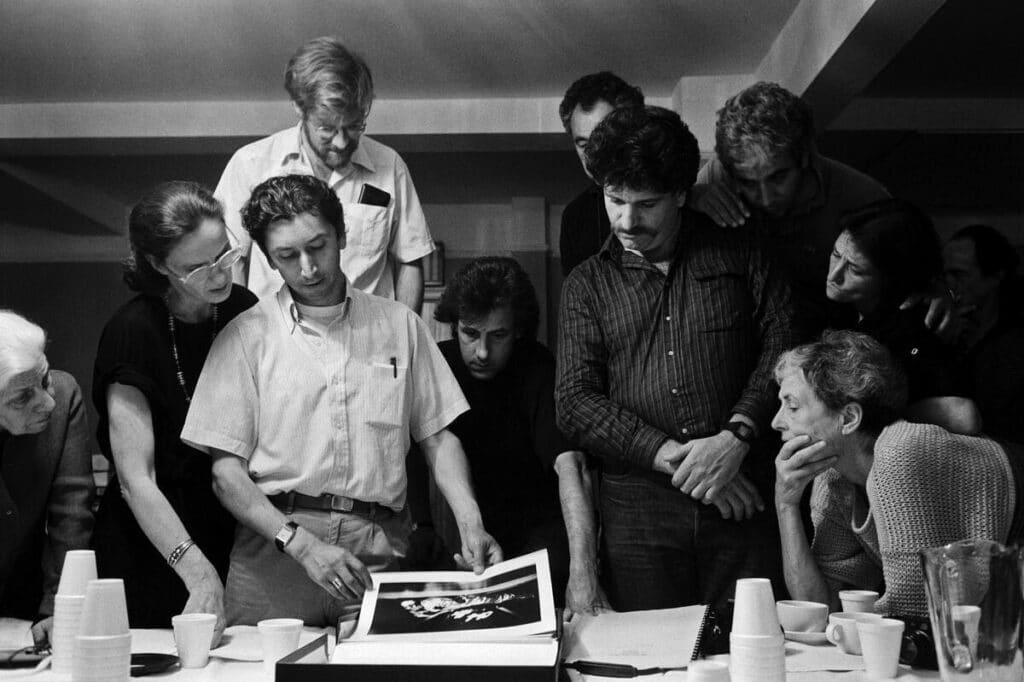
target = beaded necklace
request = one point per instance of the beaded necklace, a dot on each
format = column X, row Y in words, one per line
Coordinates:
column 174, row 350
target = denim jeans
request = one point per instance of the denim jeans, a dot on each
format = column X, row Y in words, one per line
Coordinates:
column 661, row 548
column 265, row 583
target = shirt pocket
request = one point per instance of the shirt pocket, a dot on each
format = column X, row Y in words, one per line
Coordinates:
column 723, row 300
column 366, row 228
column 385, row 387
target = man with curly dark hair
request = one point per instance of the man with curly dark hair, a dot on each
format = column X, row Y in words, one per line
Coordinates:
column 666, row 343
column 519, row 460
column 307, row 404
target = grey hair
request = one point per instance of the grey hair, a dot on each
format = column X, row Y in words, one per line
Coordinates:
column 763, row 120
column 22, row 345
column 844, row 367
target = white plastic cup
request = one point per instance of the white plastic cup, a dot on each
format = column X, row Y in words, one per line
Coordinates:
column 707, row 671
column 193, row 635
column 754, row 612
column 67, row 617
column 105, row 612
column 767, row 665
column 757, row 658
column 102, row 658
column 842, row 630
column 858, row 601
column 280, row 637
column 79, row 568
column 880, row 641
column 967, row 619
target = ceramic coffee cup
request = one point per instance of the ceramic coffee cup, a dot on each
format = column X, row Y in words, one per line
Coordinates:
column 842, row 630
column 802, row 616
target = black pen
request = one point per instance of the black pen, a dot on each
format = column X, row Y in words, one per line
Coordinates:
column 394, row 366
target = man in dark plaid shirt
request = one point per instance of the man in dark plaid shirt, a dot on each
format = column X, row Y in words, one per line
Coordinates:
column 667, row 339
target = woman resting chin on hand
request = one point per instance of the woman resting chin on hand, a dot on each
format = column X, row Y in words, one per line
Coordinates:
column 884, row 488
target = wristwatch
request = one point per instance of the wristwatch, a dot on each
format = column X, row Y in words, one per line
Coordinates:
column 741, row 430
column 285, row 535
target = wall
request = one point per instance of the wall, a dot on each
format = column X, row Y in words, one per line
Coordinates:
column 73, row 300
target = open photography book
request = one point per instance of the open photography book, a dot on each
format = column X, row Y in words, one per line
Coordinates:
column 502, row 617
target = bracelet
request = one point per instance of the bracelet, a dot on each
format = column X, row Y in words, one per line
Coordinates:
column 179, row 551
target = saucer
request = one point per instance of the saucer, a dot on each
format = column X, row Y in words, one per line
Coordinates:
column 806, row 637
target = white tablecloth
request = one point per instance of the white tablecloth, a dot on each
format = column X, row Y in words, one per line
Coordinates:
column 245, row 643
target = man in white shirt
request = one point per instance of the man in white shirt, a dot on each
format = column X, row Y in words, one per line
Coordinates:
column 307, row 403
column 332, row 92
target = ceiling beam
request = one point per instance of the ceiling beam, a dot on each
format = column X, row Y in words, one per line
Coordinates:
column 20, row 244
column 932, row 115
column 87, row 199
column 830, row 50
column 149, row 120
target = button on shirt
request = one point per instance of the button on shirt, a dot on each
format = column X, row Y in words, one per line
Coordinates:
column 377, row 237
column 644, row 356
column 322, row 408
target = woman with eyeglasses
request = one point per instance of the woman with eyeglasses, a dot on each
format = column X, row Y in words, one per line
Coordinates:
column 159, row 526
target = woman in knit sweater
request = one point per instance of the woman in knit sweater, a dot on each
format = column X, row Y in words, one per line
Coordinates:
column 883, row 488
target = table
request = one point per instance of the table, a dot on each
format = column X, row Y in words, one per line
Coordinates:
column 246, row 640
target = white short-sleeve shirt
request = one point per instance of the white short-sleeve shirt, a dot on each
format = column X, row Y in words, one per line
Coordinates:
column 378, row 237
column 328, row 411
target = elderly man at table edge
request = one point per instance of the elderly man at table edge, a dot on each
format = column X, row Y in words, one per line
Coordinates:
column 307, row 403
column 666, row 344
column 332, row 91
column 767, row 173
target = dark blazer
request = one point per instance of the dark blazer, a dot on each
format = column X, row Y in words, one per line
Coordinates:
column 46, row 496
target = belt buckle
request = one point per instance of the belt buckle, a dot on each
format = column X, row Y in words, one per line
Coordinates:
column 341, row 504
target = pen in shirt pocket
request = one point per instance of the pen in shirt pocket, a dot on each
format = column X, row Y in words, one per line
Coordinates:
column 394, row 366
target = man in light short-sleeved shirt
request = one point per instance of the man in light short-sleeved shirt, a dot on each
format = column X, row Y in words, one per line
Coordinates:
column 307, row 403
column 387, row 235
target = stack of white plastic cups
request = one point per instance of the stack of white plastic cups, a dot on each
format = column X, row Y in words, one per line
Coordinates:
column 103, row 647
column 79, row 569
column 757, row 650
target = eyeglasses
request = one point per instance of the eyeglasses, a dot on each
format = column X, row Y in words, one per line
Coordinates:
column 201, row 275
column 329, row 132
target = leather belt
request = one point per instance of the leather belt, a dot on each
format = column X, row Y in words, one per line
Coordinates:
column 286, row 502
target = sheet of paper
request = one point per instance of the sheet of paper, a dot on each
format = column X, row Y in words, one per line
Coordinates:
column 15, row 634
column 659, row 638
column 810, row 658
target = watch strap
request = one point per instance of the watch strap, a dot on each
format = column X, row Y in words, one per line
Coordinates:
column 285, row 535
column 741, row 430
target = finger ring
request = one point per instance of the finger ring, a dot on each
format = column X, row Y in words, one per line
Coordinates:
column 337, row 584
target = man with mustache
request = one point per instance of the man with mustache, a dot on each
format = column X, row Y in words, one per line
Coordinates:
column 332, row 91
column 667, row 340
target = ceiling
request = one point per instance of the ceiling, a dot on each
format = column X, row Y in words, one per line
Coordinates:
column 187, row 50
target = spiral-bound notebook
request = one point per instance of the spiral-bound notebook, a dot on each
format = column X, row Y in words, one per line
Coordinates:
column 663, row 638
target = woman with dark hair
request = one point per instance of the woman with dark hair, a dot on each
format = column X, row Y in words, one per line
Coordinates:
column 159, row 526
column 884, row 488
column 887, row 251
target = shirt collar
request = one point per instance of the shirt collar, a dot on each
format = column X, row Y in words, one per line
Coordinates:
column 290, row 314
column 289, row 148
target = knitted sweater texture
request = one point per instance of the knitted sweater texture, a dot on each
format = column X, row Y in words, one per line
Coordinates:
column 927, row 487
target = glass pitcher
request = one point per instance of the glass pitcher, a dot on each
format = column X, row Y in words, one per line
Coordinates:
column 975, row 604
